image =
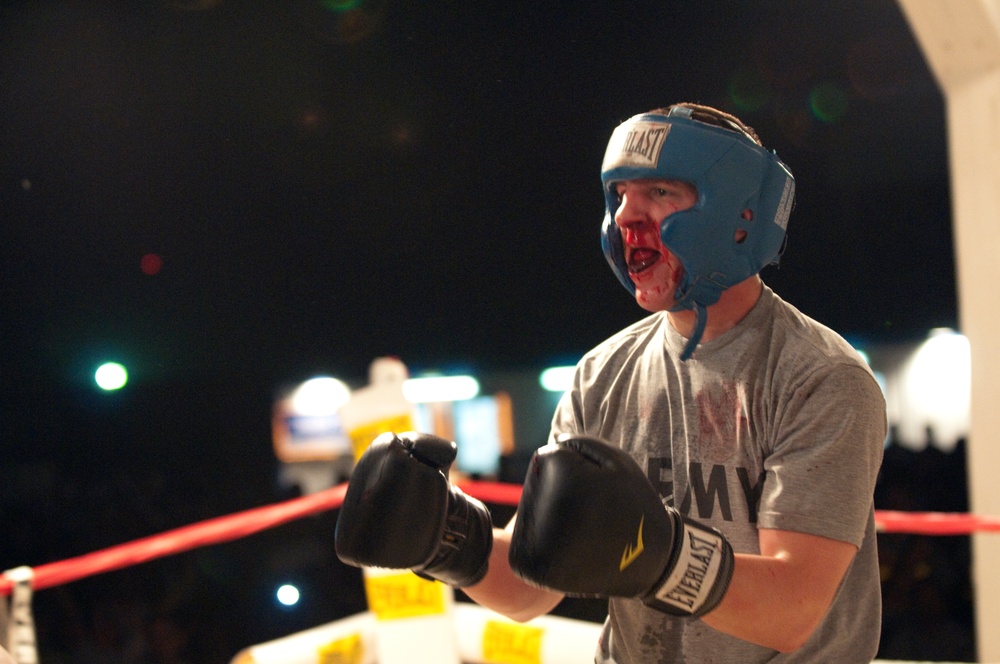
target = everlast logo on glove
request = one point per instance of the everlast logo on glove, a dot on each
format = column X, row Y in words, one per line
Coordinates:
column 686, row 588
column 633, row 551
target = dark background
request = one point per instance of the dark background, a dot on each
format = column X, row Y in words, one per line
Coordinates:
column 328, row 182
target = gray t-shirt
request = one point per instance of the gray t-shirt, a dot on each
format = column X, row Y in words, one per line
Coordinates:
column 779, row 424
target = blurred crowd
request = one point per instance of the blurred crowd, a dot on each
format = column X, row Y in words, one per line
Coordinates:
column 927, row 603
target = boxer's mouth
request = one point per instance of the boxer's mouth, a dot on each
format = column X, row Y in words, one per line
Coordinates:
column 640, row 260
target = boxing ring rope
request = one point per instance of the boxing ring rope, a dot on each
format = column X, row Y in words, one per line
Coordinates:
column 185, row 538
column 242, row 524
column 248, row 522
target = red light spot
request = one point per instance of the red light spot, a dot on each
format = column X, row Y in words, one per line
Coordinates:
column 151, row 264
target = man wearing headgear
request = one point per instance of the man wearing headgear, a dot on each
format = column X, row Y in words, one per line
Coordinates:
column 710, row 471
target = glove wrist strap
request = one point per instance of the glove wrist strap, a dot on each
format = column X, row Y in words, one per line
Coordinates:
column 462, row 556
column 700, row 574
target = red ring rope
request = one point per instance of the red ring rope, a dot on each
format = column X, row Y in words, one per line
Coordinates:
column 241, row 524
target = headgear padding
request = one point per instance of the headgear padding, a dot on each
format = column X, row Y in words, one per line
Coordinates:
column 717, row 246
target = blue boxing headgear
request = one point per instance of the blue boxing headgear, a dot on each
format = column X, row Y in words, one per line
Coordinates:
column 735, row 178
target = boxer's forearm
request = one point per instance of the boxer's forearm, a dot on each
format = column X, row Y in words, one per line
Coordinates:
column 778, row 598
column 504, row 592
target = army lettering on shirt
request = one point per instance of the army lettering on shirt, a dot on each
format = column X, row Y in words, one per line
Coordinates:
column 707, row 495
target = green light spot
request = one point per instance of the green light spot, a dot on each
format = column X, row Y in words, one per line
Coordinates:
column 341, row 5
column 748, row 90
column 828, row 102
column 111, row 376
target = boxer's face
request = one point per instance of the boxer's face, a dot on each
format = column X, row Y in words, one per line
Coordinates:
column 654, row 270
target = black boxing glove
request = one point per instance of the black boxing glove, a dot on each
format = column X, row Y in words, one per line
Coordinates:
column 590, row 524
column 401, row 512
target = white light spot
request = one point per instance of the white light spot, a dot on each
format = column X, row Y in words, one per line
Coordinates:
column 288, row 595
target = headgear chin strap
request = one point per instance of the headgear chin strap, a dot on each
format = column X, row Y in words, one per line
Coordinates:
column 735, row 178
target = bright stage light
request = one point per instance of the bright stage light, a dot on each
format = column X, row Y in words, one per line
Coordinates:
column 440, row 388
column 557, row 379
column 320, row 396
column 111, row 376
column 288, row 595
column 937, row 385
